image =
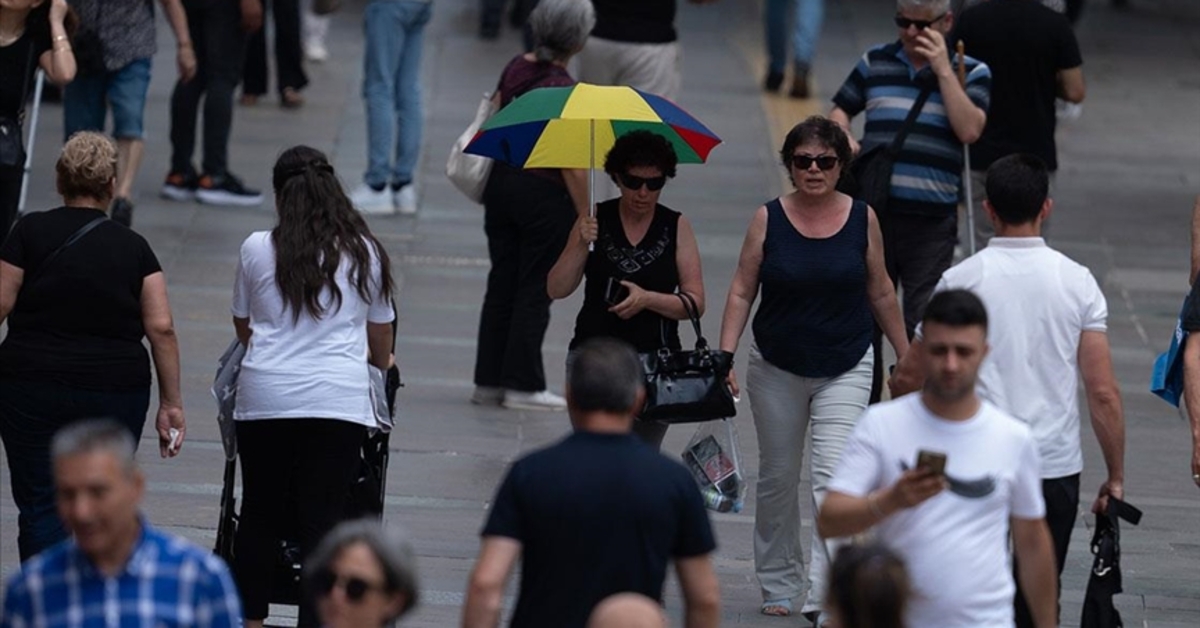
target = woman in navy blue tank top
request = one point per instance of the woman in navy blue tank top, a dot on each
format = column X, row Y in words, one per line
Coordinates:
column 644, row 254
column 816, row 255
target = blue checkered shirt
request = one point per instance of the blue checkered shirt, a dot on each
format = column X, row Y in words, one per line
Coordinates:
column 168, row 581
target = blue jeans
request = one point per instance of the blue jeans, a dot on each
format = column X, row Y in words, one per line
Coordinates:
column 806, row 29
column 30, row 414
column 392, row 88
column 87, row 99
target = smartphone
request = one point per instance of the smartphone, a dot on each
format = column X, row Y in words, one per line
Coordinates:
column 933, row 460
column 614, row 292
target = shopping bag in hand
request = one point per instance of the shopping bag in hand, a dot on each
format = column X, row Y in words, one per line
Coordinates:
column 712, row 457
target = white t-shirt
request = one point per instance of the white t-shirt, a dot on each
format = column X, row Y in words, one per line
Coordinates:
column 1039, row 302
column 306, row 368
column 955, row 544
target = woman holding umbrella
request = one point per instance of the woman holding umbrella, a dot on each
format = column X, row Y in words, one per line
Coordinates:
column 644, row 253
column 527, row 215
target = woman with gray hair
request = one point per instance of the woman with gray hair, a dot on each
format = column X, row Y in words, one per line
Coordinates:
column 362, row 575
column 527, row 217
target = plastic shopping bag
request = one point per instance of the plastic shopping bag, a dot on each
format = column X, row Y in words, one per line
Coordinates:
column 712, row 457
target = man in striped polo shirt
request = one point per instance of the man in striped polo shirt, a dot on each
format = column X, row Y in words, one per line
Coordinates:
column 921, row 221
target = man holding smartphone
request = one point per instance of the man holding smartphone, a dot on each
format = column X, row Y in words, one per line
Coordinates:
column 950, row 527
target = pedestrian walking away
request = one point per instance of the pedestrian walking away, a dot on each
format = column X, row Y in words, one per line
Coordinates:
column 395, row 35
column 807, row 18
column 79, row 293
column 117, row 566
column 942, row 478
column 645, row 253
column 817, row 257
column 1048, row 331
column 596, row 514
column 1031, row 64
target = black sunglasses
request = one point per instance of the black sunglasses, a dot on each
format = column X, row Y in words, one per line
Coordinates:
column 632, row 182
column 355, row 588
column 921, row 25
column 824, row 162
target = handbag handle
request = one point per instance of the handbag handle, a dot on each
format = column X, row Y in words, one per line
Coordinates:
column 693, row 312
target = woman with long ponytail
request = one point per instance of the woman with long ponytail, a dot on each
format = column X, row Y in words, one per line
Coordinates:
column 312, row 303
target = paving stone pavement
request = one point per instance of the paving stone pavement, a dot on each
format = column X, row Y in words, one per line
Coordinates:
column 1130, row 167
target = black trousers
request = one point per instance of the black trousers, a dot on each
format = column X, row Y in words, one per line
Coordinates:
column 527, row 219
column 1062, row 506
column 916, row 251
column 296, row 474
column 10, row 197
column 288, row 51
column 30, row 414
column 219, row 41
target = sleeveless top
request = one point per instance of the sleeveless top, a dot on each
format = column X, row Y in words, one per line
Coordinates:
column 814, row 319
column 650, row 264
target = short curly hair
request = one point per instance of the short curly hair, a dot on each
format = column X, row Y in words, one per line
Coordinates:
column 641, row 149
column 87, row 166
column 819, row 129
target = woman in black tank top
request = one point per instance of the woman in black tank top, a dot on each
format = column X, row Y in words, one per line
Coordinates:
column 815, row 256
column 644, row 254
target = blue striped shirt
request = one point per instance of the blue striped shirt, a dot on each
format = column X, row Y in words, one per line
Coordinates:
column 168, row 581
column 928, row 171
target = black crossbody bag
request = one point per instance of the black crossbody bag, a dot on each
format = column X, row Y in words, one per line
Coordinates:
column 869, row 175
column 12, row 141
column 687, row 386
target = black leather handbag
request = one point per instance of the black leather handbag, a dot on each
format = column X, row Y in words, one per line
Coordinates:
column 687, row 386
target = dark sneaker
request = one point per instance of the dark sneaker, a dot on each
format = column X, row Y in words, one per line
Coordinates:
column 800, row 84
column 773, row 81
column 180, row 186
column 226, row 190
column 121, row 211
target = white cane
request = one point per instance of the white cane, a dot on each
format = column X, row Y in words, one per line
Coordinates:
column 962, row 79
column 33, row 122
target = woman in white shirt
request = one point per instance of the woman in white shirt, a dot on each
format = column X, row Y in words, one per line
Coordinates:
column 312, row 304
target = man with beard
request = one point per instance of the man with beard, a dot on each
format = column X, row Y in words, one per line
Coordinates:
column 942, row 477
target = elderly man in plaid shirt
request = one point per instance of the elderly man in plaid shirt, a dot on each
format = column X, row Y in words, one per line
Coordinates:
column 117, row 571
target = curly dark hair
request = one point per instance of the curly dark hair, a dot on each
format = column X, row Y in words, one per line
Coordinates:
column 820, row 129
column 641, row 149
column 318, row 227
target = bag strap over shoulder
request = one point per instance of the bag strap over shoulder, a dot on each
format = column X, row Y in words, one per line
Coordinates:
column 909, row 122
column 84, row 230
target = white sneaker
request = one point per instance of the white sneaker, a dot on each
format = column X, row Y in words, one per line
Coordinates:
column 316, row 52
column 369, row 201
column 487, row 396
column 540, row 400
column 405, row 199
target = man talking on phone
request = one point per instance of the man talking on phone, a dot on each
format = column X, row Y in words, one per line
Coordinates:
column 951, row 526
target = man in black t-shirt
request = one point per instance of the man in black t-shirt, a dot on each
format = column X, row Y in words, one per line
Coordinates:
column 1034, row 57
column 598, row 513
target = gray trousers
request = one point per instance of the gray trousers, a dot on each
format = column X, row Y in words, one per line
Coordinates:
column 784, row 405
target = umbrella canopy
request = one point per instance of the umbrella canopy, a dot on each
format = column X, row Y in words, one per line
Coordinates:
column 574, row 127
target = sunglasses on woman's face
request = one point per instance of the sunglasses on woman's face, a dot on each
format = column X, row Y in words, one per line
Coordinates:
column 635, row 183
column 824, row 162
column 354, row 587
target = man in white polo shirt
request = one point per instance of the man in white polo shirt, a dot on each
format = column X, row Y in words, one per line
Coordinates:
column 1048, row 328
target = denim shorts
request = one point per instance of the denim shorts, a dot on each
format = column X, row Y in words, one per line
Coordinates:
column 86, row 101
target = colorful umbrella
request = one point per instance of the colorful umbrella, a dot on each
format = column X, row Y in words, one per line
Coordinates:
column 574, row 127
column 553, row 127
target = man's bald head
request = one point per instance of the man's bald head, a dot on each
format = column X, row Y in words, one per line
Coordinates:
column 627, row 610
